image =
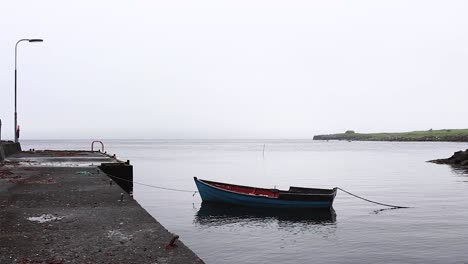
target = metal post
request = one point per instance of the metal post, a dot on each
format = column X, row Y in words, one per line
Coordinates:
column 16, row 115
column 16, row 55
column 0, row 130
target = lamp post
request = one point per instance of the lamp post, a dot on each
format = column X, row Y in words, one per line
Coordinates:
column 16, row 52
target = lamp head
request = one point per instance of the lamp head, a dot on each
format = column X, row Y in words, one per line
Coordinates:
column 35, row 40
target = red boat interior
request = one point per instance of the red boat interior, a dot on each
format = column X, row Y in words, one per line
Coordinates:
column 270, row 193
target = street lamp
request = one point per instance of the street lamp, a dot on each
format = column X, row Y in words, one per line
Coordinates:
column 16, row 52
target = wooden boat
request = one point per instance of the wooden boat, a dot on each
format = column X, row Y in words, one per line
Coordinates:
column 294, row 198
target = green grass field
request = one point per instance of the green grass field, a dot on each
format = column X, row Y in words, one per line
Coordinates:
column 428, row 135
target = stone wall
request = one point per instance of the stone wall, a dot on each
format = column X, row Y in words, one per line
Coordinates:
column 8, row 148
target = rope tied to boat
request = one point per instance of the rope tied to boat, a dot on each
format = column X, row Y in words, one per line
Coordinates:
column 195, row 192
column 154, row 186
column 367, row 200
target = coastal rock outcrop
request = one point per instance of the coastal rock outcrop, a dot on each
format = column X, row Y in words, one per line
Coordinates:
column 459, row 158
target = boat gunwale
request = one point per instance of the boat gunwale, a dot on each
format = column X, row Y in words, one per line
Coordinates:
column 206, row 182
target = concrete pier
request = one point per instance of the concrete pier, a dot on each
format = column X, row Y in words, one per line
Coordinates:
column 8, row 148
column 59, row 207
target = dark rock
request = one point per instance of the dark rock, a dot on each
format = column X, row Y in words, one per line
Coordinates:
column 458, row 158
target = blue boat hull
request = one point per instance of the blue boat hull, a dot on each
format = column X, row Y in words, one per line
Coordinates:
column 216, row 195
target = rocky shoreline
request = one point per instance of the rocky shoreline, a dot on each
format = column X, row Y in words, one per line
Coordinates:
column 441, row 135
column 459, row 158
column 394, row 139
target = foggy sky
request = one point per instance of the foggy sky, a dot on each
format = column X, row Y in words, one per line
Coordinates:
column 233, row 69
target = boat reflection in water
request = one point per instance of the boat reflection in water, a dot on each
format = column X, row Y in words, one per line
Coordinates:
column 213, row 214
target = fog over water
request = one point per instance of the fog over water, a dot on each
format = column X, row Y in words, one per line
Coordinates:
column 233, row 91
column 433, row 230
column 232, row 69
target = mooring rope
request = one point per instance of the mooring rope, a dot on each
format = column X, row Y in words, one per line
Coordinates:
column 367, row 200
column 154, row 186
column 195, row 192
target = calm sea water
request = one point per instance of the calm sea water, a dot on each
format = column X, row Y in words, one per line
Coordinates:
column 434, row 230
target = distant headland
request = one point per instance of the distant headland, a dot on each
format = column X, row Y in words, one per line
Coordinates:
column 450, row 135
